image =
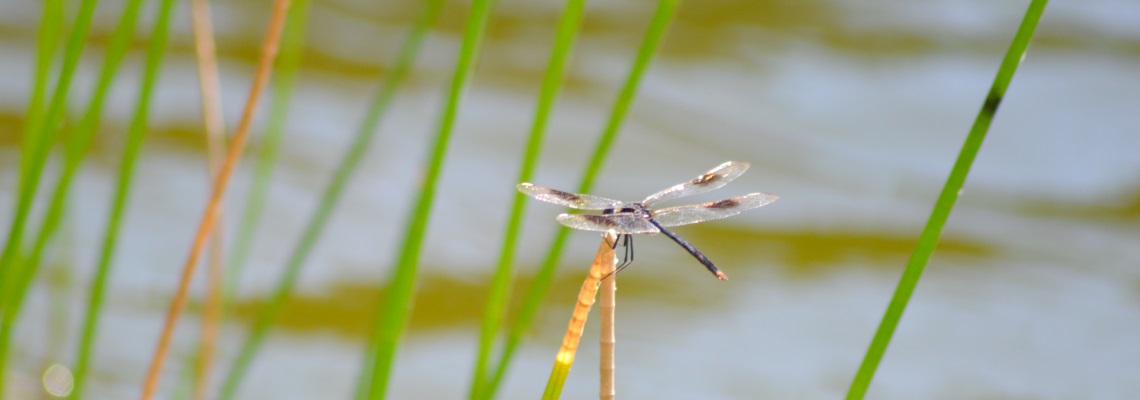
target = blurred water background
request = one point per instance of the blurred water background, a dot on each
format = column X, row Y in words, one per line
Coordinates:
column 852, row 113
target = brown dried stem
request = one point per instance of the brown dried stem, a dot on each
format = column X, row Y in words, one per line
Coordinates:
column 606, row 339
column 603, row 261
column 215, row 139
column 221, row 180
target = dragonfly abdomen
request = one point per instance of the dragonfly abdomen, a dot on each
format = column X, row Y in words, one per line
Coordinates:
column 692, row 250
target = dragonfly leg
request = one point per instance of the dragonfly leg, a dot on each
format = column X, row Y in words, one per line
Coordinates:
column 627, row 256
column 614, row 245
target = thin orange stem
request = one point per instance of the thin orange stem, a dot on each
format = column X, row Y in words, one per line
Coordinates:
column 213, row 208
column 211, row 317
column 215, row 138
column 208, row 75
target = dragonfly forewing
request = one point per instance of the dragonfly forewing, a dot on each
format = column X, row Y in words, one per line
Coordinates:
column 572, row 200
column 622, row 222
column 694, row 213
column 713, row 179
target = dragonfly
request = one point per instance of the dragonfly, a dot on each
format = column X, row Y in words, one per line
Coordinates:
column 628, row 218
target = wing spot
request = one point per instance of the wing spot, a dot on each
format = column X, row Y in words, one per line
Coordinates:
column 602, row 220
column 565, row 195
column 726, row 203
column 706, row 179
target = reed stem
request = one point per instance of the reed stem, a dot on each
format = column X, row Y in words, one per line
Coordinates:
column 603, row 262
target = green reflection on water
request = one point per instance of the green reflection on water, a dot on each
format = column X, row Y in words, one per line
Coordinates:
column 821, row 250
column 446, row 302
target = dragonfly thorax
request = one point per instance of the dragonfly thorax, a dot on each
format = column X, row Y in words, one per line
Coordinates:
column 628, row 208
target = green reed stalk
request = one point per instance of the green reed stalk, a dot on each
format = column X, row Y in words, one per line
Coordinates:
column 394, row 306
column 288, row 63
column 945, row 203
column 135, row 137
column 51, row 26
column 568, row 27
column 657, row 27
column 77, row 148
column 387, row 91
column 36, row 148
column 32, row 165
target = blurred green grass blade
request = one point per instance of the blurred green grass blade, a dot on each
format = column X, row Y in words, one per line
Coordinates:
column 35, row 156
column 77, row 147
column 945, row 203
column 288, row 63
column 657, row 27
column 51, row 28
column 408, row 52
column 32, row 161
column 395, row 304
column 185, row 386
column 496, row 305
column 135, row 136
column 556, row 381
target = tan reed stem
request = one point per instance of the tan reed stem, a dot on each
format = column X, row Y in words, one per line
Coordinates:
column 607, row 338
column 213, row 207
column 210, row 88
column 603, row 261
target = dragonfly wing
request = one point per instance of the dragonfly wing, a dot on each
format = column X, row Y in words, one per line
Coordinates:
column 713, row 179
column 620, row 222
column 694, row 213
column 572, row 200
